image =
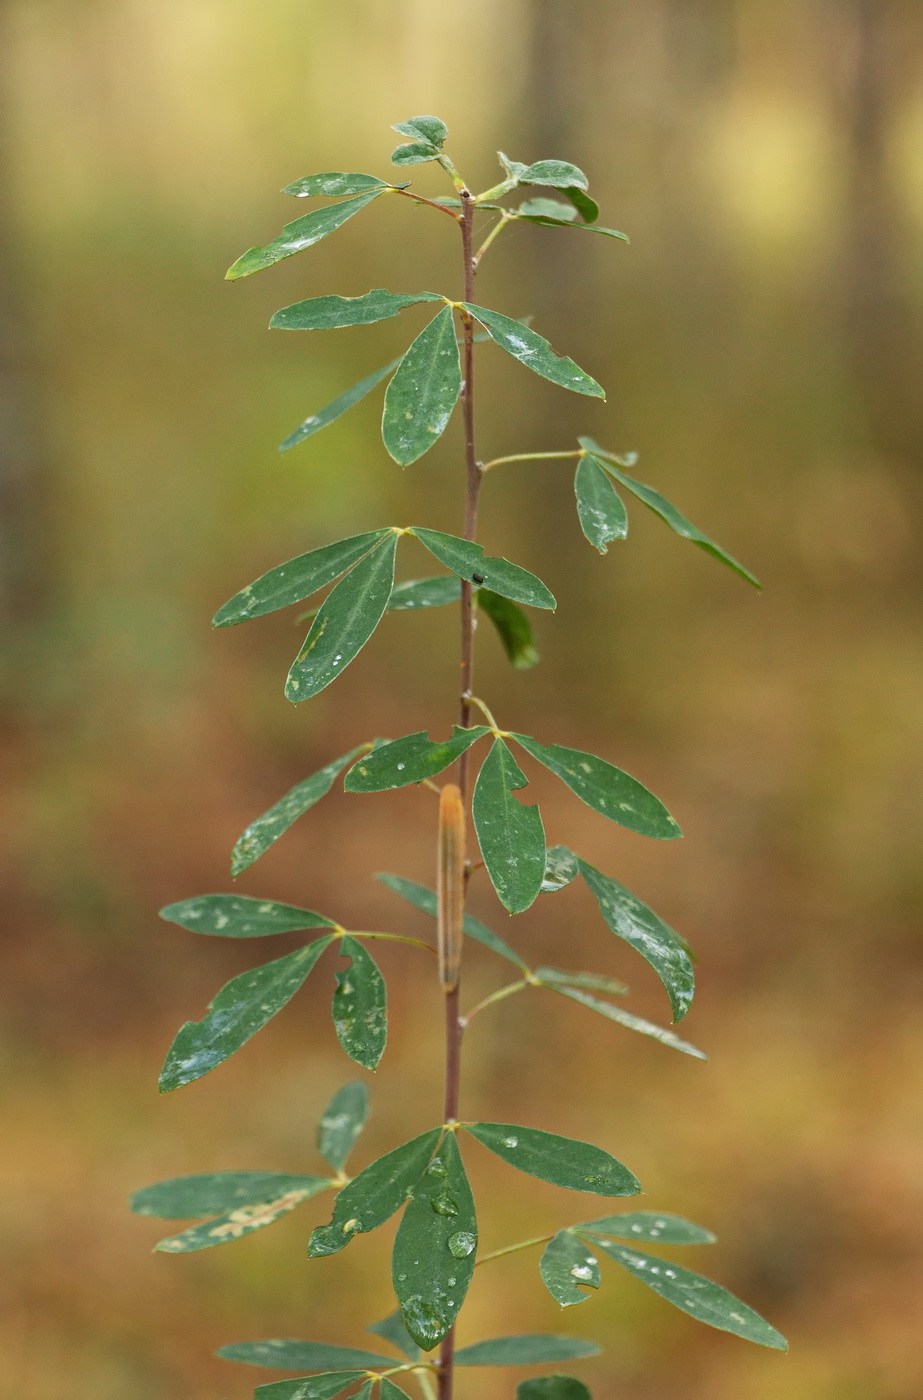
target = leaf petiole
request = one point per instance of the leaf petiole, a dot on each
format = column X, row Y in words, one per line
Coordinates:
column 530, row 457
column 389, row 938
column 486, row 713
column 514, row 1248
column 494, row 997
column 497, row 229
column 421, row 199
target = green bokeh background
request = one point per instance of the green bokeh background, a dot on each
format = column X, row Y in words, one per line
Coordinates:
column 760, row 344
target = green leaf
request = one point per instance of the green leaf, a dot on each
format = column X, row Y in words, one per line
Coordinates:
column 547, row 209
column 244, row 1219
column 513, row 168
column 561, row 868
column 528, row 214
column 303, row 233
column 510, row 835
column 631, row 1022
column 425, row 899
column 238, row 916
column 345, row 622
column 603, row 517
column 554, row 978
column 667, row 512
column 425, row 388
column 211, row 1193
column 513, row 628
column 605, row 788
column 640, row 927
column 469, row 561
column 434, row 1249
column 651, row 1225
column 340, row 405
column 434, row 592
column 429, row 129
column 533, row 351
column 563, row 1161
column 267, row 828
column 393, row 1330
column 332, row 312
column 374, row 1195
column 360, row 1006
column 409, row 760
column 335, row 183
column 390, row 1391
column 553, row 1388
column 290, row 1355
column 587, row 208
column 240, row 1009
column 309, row 1387
column 342, row 1121
column 568, row 1267
column 699, row 1297
column 414, row 153
column 531, row 1349
column 559, row 174
column 297, row 579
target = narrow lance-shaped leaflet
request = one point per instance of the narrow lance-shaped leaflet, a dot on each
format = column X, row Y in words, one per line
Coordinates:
column 329, row 313
column 422, row 898
column 344, row 623
column 296, row 579
column 511, row 835
column 425, row 388
column 300, row 234
column 360, row 1015
column 412, row 759
column 341, row 1123
column 374, row 1195
column 579, row 1166
column 533, row 351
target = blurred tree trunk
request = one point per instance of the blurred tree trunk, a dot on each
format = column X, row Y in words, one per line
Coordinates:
column 21, row 451
column 882, row 330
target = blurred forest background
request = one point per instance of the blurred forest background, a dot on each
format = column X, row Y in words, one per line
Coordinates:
column 761, row 344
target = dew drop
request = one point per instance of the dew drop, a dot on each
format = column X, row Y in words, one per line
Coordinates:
column 462, row 1244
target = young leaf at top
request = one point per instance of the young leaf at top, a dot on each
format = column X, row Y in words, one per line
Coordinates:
column 240, row 1009
column 213, row 1193
column 628, row 1020
column 297, row 579
column 551, row 1388
column 605, row 788
column 360, row 1006
column 335, row 183
column 289, row 1355
column 333, row 312
column 344, row 623
column 425, row 388
column 435, row 592
column 374, row 1195
column 266, row 829
column 429, row 129
column 568, row 1268
column 662, row 507
column 531, row 1349
column 513, row 628
column 533, row 351
column 393, row 1330
column 341, row 1123
column 337, row 407
column 561, row 868
column 412, row 759
column 563, row 1161
column 323, row 1387
column 603, row 517
column 640, row 927
column 434, row 1249
column 557, row 174
column 469, row 561
column 699, row 1297
column 238, row 916
column 244, row 1219
column 651, row 1225
column 422, row 898
column 303, row 233
column 510, row 835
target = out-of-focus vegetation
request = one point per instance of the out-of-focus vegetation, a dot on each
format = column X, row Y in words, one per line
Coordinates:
column 760, row 341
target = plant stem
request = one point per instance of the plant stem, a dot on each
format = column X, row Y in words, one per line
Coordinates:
column 453, row 1026
column 514, row 1248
